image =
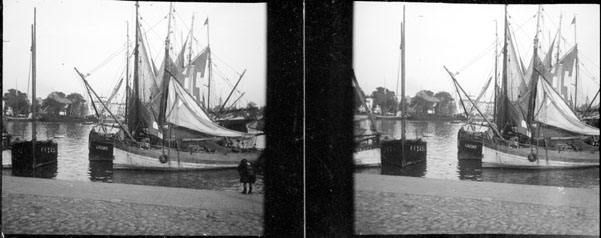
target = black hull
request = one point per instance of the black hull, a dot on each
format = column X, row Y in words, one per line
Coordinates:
column 432, row 118
column 469, row 144
column 469, row 148
column 46, row 152
column 392, row 152
column 236, row 125
column 101, row 146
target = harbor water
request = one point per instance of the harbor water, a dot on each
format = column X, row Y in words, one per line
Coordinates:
column 442, row 161
column 74, row 163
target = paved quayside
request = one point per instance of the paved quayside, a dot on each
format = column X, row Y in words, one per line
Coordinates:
column 58, row 207
column 408, row 205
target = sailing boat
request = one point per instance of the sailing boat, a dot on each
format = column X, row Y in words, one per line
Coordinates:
column 167, row 128
column 103, row 135
column 539, row 130
column 470, row 136
column 33, row 154
column 405, row 151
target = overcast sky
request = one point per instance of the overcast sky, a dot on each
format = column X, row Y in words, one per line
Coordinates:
column 83, row 34
column 456, row 34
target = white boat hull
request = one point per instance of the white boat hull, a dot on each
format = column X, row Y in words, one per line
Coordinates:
column 126, row 157
column 508, row 157
column 367, row 158
column 7, row 159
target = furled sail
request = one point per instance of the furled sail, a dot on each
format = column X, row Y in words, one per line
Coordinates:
column 548, row 61
column 515, row 112
column 184, row 111
column 551, row 109
column 147, row 78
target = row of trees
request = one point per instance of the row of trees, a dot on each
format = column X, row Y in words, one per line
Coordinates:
column 442, row 103
column 55, row 104
column 423, row 101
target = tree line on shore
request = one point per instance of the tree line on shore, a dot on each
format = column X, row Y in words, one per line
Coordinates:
column 56, row 104
column 442, row 103
column 74, row 105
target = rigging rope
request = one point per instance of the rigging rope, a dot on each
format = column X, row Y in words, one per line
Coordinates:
column 180, row 17
column 588, row 73
column 517, row 29
column 589, row 60
column 149, row 52
column 517, row 48
column 485, row 51
column 225, row 78
column 551, row 20
column 108, row 59
column 478, row 57
column 232, row 68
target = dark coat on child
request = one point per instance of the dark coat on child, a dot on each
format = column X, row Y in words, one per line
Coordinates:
column 246, row 171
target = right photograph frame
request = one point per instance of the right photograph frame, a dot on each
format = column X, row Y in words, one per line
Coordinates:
column 475, row 118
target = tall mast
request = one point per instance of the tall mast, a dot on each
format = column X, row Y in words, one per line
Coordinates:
column 399, row 72
column 133, row 123
column 191, row 40
column 403, row 112
column 535, row 76
column 558, row 39
column 168, row 31
column 167, row 75
column 127, row 72
column 210, row 62
column 577, row 64
column 33, row 87
column 504, row 99
column 494, row 111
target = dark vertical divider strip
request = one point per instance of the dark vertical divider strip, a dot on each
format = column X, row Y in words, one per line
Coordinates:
column 284, row 120
column 329, row 128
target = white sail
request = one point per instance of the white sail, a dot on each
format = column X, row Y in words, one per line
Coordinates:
column 552, row 110
column 183, row 110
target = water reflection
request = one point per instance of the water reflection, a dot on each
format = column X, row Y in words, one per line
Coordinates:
column 101, row 171
column 75, row 163
column 416, row 170
column 47, row 171
column 443, row 161
column 470, row 169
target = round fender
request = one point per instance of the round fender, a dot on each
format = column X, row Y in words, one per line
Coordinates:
column 163, row 159
column 532, row 157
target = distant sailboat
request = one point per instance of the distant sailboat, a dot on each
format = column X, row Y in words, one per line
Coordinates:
column 33, row 154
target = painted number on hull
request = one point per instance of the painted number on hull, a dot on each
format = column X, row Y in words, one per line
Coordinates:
column 417, row 148
column 471, row 146
column 99, row 147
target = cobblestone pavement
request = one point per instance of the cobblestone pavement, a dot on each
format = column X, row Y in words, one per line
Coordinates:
column 33, row 214
column 399, row 213
column 58, row 207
